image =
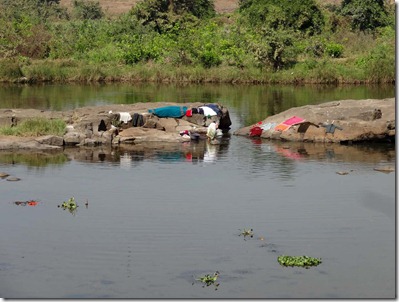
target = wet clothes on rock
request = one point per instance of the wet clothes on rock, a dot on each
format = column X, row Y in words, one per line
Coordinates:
column 125, row 117
column 169, row 111
column 138, row 120
column 208, row 111
column 330, row 128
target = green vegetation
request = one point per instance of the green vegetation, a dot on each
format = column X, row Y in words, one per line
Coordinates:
column 70, row 205
column 264, row 41
column 208, row 280
column 32, row 159
column 247, row 232
column 301, row 261
column 36, row 127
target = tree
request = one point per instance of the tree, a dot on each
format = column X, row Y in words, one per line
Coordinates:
column 44, row 10
column 275, row 49
column 87, row 10
column 299, row 15
column 162, row 15
column 365, row 14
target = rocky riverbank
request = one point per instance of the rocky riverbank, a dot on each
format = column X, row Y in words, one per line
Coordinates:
column 346, row 121
column 117, row 124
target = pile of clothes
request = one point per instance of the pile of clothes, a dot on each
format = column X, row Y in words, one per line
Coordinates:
column 207, row 110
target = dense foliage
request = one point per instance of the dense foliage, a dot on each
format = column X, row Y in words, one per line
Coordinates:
column 365, row 14
column 263, row 41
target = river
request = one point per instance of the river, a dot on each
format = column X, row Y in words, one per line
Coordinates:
column 151, row 221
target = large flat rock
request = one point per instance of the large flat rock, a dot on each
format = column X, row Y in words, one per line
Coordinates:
column 357, row 120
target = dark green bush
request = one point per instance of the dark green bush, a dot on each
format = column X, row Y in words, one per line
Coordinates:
column 87, row 10
column 334, row 50
column 10, row 69
column 298, row 15
column 365, row 14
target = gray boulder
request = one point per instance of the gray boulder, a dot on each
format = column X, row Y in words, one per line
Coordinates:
column 343, row 121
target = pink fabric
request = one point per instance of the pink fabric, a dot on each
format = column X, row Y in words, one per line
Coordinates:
column 289, row 154
column 293, row 120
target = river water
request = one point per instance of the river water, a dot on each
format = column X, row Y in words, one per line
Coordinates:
column 159, row 217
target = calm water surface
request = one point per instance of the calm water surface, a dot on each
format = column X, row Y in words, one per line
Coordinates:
column 157, row 218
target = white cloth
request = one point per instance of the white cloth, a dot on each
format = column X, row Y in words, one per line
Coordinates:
column 208, row 111
column 268, row 126
column 125, row 117
column 211, row 132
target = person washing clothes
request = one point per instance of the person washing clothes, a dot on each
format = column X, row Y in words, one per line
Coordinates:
column 211, row 132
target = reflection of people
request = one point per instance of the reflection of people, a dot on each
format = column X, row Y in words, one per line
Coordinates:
column 211, row 133
column 210, row 152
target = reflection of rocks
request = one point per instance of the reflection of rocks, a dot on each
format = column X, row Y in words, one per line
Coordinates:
column 343, row 121
column 370, row 153
column 201, row 151
column 103, row 125
column 385, row 169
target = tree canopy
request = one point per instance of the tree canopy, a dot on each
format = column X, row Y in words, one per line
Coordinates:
column 365, row 14
column 162, row 14
column 299, row 15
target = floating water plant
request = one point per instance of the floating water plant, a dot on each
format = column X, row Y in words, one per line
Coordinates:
column 69, row 205
column 247, row 232
column 300, row 261
column 208, row 280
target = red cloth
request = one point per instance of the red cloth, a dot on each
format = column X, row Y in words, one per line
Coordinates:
column 189, row 112
column 255, row 131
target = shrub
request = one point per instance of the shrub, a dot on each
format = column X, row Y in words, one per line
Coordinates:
column 209, row 58
column 334, row 50
column 297, row 15
column 87, row 10
column 10, row 69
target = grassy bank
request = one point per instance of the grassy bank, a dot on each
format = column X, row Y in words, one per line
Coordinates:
column 307, row 72
column 35, row 127
column 265, row 41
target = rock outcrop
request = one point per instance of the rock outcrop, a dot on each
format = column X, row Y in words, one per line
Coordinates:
column 346, row 121
column 105, row 125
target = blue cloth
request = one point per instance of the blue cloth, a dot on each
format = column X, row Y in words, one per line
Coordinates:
column 169, row 111
column 330, row 128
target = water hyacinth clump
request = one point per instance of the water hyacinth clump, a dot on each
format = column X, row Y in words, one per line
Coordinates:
column 247, row 232
column 69, row 205
column 299, row 261
column 208, row 280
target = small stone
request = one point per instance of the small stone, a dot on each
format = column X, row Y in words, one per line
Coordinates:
column 3, row 175
column 385, row 169
column 13, row 179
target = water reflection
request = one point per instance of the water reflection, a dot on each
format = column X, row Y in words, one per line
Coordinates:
column 277, row 155
column 252, row 102
column 37, row 159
